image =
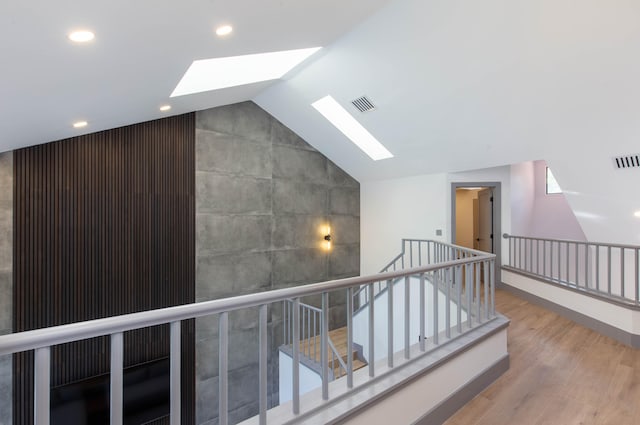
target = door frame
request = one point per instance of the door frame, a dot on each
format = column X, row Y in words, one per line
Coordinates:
column 497, row 219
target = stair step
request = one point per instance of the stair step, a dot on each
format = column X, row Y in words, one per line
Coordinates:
column 311, row 349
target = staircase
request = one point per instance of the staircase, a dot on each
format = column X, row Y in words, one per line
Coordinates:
column 337, row 359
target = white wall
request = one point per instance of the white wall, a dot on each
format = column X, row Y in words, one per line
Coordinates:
column 381, row 323
column 611, row 314
column 390, row 210
column 309, row 380
column 522, row 197
column 415, row 207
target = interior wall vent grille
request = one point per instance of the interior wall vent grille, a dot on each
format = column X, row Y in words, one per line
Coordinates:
column 363, row 104
column 627, row 161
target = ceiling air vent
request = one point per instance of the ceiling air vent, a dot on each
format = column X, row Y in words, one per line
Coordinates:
column 627, row 161
column 363, row 104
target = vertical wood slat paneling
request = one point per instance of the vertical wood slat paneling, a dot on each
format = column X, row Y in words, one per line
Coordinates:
column 104, row 224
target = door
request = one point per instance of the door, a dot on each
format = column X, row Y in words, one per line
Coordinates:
column 485, row 220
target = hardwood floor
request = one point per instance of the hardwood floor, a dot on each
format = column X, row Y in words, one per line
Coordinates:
column 561, row 373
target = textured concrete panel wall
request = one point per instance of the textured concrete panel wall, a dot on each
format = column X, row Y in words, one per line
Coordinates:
column 6, row 280
column 263, row 198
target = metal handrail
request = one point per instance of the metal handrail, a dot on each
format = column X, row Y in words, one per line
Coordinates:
column 382, row 286
column 41, row 340
column 604, row 270
column 335, row 355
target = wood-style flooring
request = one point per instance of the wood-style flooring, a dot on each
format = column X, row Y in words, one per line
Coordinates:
column 561, row 373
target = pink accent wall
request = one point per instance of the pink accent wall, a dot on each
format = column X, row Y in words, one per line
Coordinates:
column 537, row 214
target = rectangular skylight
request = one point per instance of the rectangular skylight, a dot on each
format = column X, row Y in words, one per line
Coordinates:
column 219, row 73
column 344, row 121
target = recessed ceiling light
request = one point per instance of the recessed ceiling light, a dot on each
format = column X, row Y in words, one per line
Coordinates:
column 165, row 108
column 80, row 124
column 82, row 36
column 344, row 121
column 637, row 214
column 219, row 73
column 224, row 30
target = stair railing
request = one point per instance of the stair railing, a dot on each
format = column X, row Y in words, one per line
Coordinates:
column 41, row 341
column 608, row 271
column 415, row 253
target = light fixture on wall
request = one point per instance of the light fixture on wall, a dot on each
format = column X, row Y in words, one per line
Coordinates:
column 327, row 238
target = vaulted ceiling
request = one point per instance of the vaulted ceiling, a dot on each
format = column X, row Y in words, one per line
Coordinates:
column 458, row 84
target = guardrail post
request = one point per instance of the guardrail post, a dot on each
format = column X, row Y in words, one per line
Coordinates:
column 390, row 323
column 42, row 385
column 223, row 369
column 262, row 379
column 175, row 366
column 116, row 378
column 324, row 345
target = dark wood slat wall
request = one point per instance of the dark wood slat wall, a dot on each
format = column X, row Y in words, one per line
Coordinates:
column 104, row 224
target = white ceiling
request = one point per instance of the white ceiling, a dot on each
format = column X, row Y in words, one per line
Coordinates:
column 459, row 84
column 142, row 49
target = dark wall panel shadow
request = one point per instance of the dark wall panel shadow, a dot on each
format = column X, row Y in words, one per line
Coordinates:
column 104, row 225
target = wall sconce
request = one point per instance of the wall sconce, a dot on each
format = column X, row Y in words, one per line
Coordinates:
column 327, row 238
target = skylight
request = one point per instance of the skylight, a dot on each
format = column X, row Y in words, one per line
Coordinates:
column 219, row 73
column 344, row 121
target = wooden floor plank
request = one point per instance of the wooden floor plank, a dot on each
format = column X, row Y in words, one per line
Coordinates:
column 561, row 373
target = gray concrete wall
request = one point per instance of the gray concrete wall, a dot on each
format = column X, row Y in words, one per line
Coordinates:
column 6, row 280
column 263, row 199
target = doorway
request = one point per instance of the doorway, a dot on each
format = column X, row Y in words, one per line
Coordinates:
column 475, row 218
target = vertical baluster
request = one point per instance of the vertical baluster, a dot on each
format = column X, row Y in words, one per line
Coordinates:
column 407, row 318
column 477, row 285
column 485, row 267
column 609, row 270
column 116, row 379
column 350, row 337
column 436, row 284
column 422, row 314
column 223, row 385
column 448, row 275
column 389, row 323
column 586, row 265
column 175, row 365
column 459, row 270
column 577, row 263
column 567, row 261
column 530, row 256
column 411, row 254
column 492, row 282
column 419, row 253
column 42, row 385
column 622, row 272
column 469, row 291
column 262, row 361
column 597, row 268
column 324, row 344
column 371, row 358
column 559, row 262
column 538, row 256
column 512, row 254
column 296, row 355
column 284, row 322
column 544, row 258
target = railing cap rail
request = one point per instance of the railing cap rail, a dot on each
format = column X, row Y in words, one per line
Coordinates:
column 508, row 236
column 45, row 337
